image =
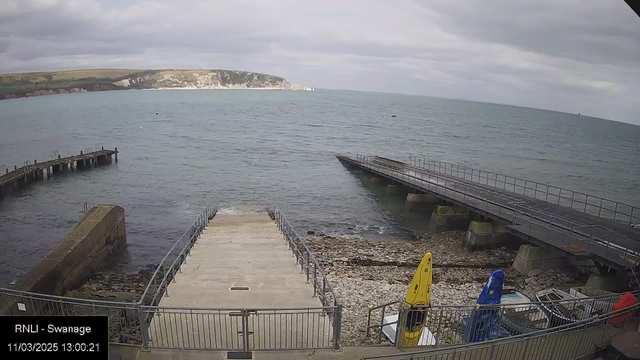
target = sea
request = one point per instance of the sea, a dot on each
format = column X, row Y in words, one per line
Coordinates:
column 246, row 150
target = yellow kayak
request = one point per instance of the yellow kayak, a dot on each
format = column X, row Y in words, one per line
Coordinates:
column 418, row 299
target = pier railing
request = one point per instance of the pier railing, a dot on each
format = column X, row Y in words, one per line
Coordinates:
column 242, row 329
column 589, row 204
column 567, row 232
column 570, row 341
column 314, row 273
column 175, row 257
column 124, row 317
column 454, row 324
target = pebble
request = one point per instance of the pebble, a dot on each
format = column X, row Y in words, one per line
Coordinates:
column 367, row 273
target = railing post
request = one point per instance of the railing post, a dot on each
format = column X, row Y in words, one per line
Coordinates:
column 245, row 330
column 400, row 328
column 600, row 207
column 308, row 267
column 384, row 308
column 315, row 278
column 143, row 328
column 337, row 327
column 324, row 290
column 438, row 331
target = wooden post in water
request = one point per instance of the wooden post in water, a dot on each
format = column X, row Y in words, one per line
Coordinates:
column 116, row 154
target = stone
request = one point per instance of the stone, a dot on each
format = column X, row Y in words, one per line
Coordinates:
column 534, row 272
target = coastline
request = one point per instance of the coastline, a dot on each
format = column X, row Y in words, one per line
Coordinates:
column 49, row 92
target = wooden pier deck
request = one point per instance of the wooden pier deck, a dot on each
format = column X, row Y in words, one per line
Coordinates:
column 39, row 170
column 574, row 226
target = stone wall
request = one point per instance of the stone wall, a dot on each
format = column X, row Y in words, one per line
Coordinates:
column 98, row 233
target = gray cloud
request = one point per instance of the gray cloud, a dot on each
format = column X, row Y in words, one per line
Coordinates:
column 567, row 55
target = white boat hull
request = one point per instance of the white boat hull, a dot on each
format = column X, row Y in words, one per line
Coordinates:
column 389, row 331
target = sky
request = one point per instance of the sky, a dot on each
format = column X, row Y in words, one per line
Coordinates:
column 577, row 56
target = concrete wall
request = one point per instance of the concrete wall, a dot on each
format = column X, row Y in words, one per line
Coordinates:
column 99, row 232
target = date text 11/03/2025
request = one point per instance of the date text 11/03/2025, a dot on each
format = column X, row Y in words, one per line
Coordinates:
column 44, row 336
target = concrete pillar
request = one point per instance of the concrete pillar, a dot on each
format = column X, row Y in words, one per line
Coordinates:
column 607, row 282
column 392, row 189
column 446, row 218
column 374, row 179
column 420, row 202
column 116, row 154
column 484, row 234
column 532, row 257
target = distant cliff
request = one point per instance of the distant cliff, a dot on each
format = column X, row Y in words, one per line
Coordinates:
column 72, row 81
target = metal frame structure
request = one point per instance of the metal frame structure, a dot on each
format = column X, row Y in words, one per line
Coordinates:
column 175, row 257
column 311, row 268
column 571, row 341
column 445, row 321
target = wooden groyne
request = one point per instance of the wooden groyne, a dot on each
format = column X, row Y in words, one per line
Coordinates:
column 30, row 172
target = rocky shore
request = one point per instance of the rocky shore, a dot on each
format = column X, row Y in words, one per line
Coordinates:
column 367, row 273
column 114, row 286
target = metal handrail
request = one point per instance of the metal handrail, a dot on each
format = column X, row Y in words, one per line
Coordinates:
column 286, row 227
column 481, row 307
column 306, row 258
column 367, row 161
column 515, row 305
column 237, row 309
column 579, row 325
column 541, row 188
column 168, row 272
column 484, row 190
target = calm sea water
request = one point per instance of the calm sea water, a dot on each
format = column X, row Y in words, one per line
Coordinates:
column 245, row 150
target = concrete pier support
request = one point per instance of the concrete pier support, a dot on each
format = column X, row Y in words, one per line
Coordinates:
column 420, row 202
column 483, row 234
column 392, row 189
column 446, row 218
column 532, row 257
column 607, row 282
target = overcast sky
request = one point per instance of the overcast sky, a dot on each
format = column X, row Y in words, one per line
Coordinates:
column 567, row 55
